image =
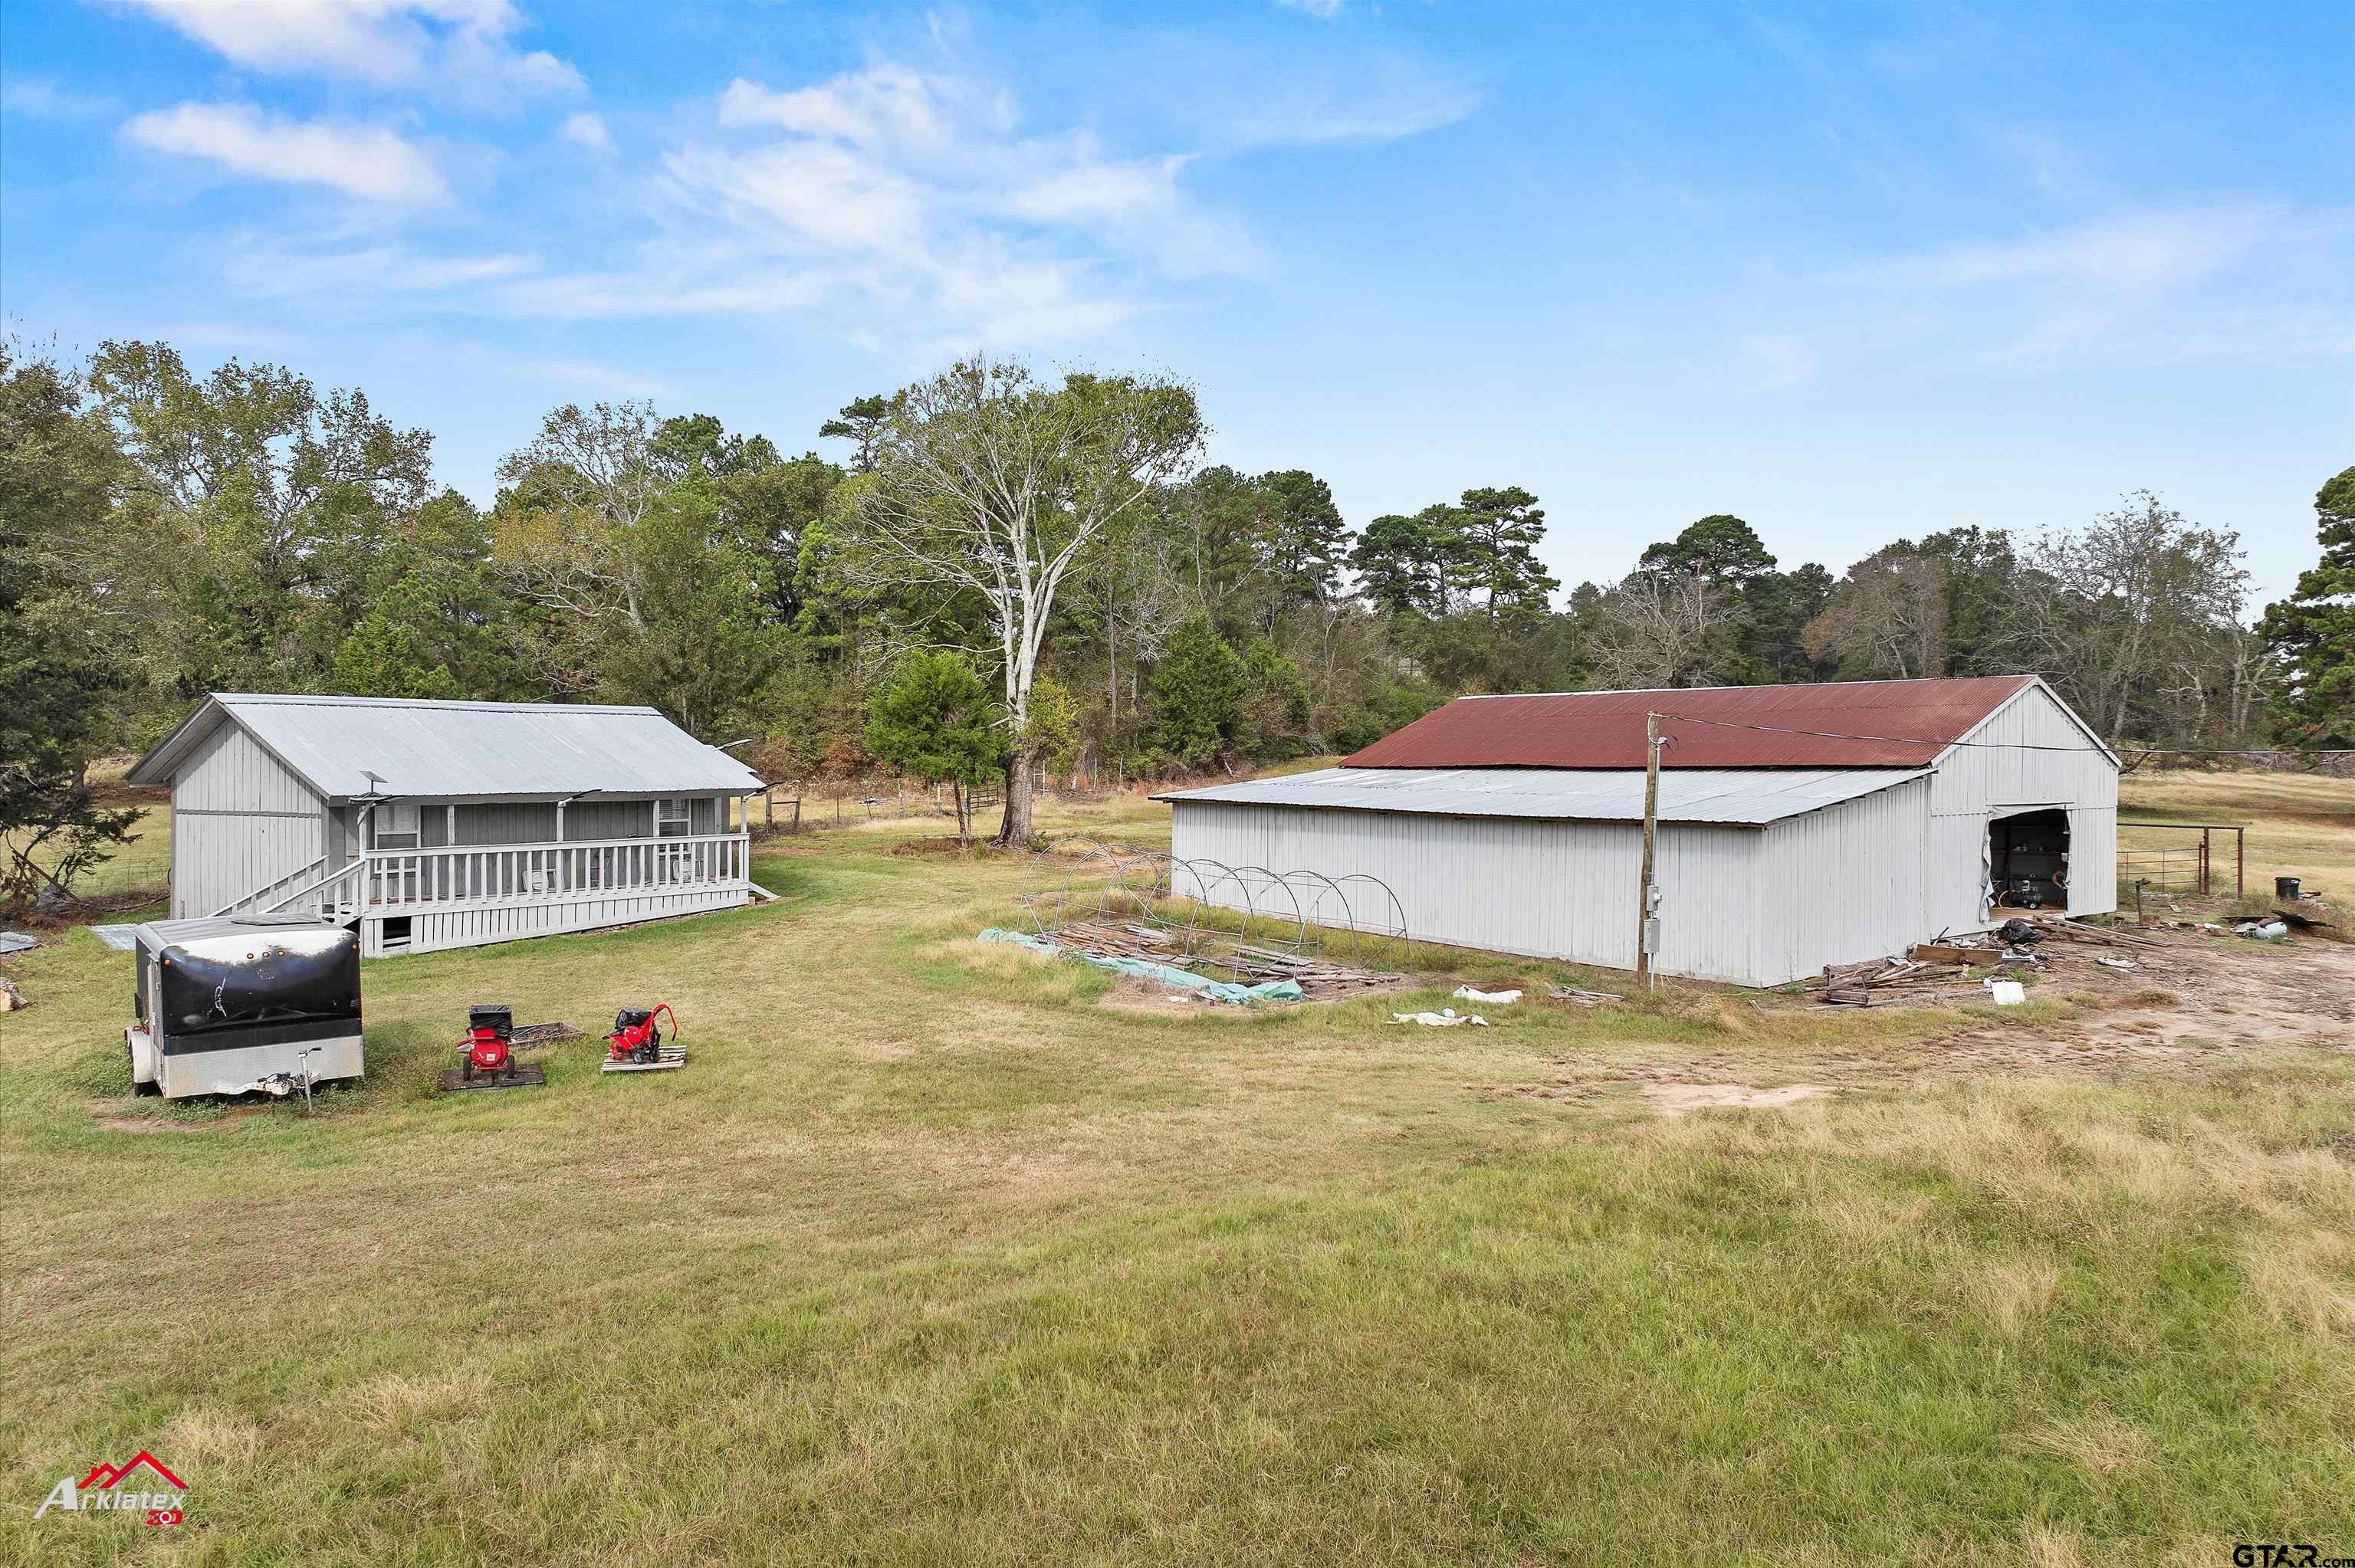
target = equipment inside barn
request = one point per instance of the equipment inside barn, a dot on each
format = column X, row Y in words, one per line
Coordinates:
column 2028, row 856
column 637, row 1043
column 253, row 1002
column 489, row 1052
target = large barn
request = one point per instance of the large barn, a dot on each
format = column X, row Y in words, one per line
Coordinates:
column 1799, row 826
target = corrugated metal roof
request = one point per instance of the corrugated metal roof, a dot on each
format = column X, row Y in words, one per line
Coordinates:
column 1916, row 719
column 450, row 750
column 1734, row 796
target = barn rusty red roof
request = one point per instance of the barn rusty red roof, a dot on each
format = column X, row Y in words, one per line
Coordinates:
column 1907, row 723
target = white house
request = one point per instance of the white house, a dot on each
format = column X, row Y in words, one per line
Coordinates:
column 447, row 824
column 1799, row 826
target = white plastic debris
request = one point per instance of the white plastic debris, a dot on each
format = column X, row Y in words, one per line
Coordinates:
column 1493, row 998
column 2264, row 931
column 1445, row 1018
column 2007, row 994
column 2115, row 963
column 18, row 942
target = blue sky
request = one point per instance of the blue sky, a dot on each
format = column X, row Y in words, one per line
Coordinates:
column 1849, row 272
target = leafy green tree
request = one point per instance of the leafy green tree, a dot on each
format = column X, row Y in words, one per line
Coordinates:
column 1053, row 736
column 1273, row 719
column 1303, row 538
column 1198, row 690
column 1493, row 551
column 261, row 506
column 2311, row 634
column 861, row 422
column 1722, row 548
column 57, row 469
column 1402, row 562
column 390, row 652
column 933, row 721
column 1212, row 522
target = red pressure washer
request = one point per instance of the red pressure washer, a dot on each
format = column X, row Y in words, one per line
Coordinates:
column 637, row 1043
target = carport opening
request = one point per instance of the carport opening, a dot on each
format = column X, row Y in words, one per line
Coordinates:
column 2029, row 858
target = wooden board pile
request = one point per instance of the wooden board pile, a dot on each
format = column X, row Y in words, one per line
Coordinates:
column 1880, row 982
column 1240, row 961
column 1942, row 969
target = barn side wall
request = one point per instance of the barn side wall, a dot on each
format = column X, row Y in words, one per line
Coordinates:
column 1844, row 883
column 2002, row 772
column 1545, row 889
column 241, row 821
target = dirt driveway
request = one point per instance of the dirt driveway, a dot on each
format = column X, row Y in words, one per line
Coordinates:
column 2199, row 1001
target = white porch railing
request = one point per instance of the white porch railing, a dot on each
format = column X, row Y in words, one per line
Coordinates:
column 393, row 879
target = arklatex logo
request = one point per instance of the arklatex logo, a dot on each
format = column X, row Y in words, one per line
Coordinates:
column 98, row 1489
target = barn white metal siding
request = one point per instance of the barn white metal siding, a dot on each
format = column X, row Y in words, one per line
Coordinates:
column 1544, row 888
column 2029, row 753
column 1852, row 863
column 241, row 821
column 1849, row 882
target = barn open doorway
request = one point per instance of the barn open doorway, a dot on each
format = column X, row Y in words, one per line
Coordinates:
column 2028, row 859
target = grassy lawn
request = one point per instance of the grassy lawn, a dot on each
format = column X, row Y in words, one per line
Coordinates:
column 939, row 1253
column 2300, row 824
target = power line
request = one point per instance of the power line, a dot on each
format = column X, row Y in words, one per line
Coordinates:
column 1892, row 740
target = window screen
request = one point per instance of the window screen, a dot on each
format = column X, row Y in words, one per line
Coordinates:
column 396, row 826
column 673, row 819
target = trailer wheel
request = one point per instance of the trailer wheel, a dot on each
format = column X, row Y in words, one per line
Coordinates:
column 138, row 1089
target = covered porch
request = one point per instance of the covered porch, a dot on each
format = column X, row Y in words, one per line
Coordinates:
column 418, row 900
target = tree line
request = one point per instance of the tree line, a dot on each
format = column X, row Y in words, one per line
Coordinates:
column 988, row 574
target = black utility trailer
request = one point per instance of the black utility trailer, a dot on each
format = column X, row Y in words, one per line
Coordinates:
column 238, row 1003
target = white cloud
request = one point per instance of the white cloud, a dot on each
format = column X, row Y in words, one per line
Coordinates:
column 588, row 130
column 462, row 49
column 2136, row 252
column 1101, row 190
column 1360, row 112
column 369, row 162
column 918, row 196
column 1326, row 9
column 2252, row 282
column 882, row 105
column 825, row 196
column 39, row 98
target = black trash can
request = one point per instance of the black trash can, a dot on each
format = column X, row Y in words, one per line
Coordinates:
column 2286, row 887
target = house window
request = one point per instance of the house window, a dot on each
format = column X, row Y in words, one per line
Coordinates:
column 673, row 819
column 396, row 826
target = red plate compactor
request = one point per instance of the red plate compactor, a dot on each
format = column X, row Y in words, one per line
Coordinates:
column 637, row 1043
column 489, row 1055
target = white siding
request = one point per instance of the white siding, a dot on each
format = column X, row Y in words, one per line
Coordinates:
column 1545, row 889
column 1999, row 774
column 240, row 824
column 431, row 929
column 1844, row 883
column 2093, row 859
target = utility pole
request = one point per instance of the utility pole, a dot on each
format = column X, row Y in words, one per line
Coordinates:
column 1647, row 898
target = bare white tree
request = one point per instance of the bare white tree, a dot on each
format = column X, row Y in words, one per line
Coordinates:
column 588, row 486
column 1656, row 630
column 989, row 482
column 2108, row 613
column 1889, row 619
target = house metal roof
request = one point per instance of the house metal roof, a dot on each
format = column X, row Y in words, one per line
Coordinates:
column 1861, row 723
column 1740, row 796
column 460, row 751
